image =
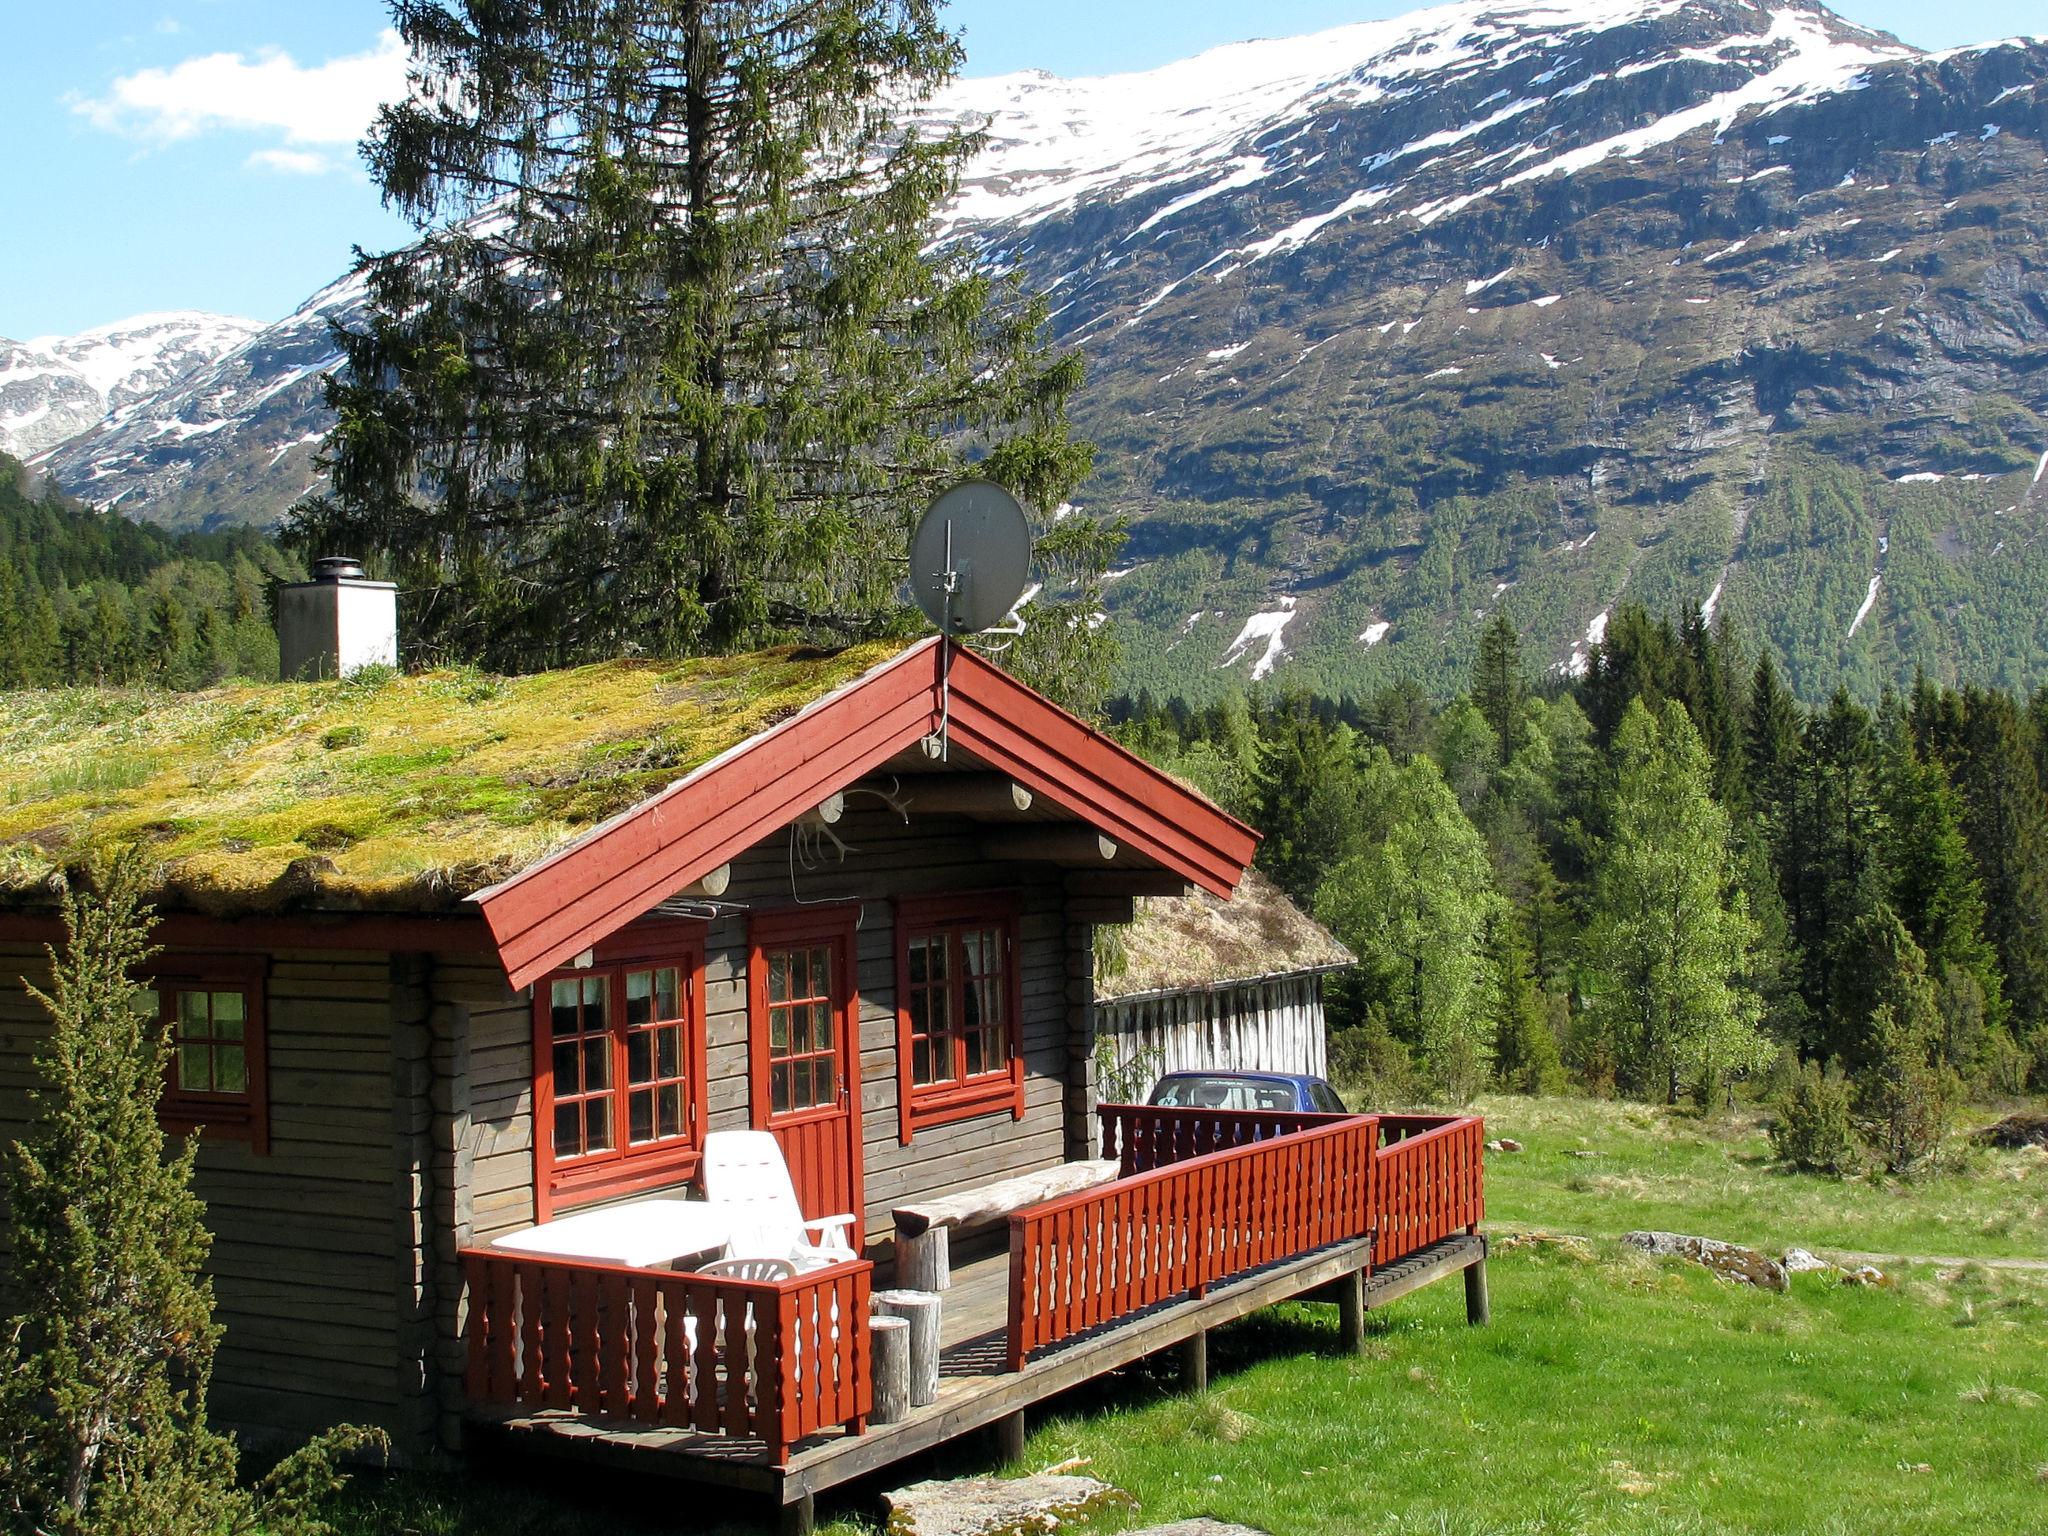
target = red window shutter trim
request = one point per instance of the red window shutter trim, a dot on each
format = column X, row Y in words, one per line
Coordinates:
column 920, row 1108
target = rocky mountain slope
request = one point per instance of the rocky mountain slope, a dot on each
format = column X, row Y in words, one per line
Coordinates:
column 1534, row 307
column 55, row 387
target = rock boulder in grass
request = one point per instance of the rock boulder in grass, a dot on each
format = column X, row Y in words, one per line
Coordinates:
column 2014, row 1132
column 1729, row 1259
column 1000, row 1506
column 1799, row 1261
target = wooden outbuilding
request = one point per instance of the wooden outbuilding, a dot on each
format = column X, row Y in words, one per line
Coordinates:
column 1197, row 981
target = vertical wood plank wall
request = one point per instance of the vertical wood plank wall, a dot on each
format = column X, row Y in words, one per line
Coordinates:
column 1270, row 1025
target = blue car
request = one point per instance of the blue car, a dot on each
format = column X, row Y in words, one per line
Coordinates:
column 1296, row 1091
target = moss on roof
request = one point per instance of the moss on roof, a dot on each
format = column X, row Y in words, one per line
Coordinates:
column 390, row 793
column 1183, row 942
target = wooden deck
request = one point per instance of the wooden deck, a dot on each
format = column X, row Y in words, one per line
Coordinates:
column 975, row 1389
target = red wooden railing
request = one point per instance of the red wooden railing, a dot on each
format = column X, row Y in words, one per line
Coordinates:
column 1091, row 1257
column 1147, row 1136
column 1430, row 1184
column 773, row 1360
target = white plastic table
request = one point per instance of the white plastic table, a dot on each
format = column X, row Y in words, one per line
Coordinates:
column 643, row 1233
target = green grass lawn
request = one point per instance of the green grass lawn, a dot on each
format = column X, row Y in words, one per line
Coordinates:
column 1604, row 1168
column 1613, row 1393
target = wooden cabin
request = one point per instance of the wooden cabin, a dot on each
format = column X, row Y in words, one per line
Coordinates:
column 1198, row 981
column 448, row 956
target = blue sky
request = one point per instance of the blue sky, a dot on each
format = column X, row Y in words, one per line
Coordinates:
column 146, row 170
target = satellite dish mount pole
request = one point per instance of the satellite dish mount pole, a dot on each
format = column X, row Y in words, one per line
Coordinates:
column 949, row 580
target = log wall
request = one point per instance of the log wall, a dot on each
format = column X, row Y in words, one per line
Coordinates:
column 887, row 859
column 316, row 1263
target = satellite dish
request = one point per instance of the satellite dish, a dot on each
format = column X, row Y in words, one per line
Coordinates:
column 970, row 558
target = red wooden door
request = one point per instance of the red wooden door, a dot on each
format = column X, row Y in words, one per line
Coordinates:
column 803, row 1030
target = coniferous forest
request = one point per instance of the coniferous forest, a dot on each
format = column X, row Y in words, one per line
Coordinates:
column 94, row 597
column 1665, row 879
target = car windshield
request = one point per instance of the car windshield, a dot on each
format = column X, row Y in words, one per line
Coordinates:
column 1223, row 1093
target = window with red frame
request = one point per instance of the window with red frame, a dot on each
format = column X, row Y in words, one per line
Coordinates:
column 958, row 1000
column 215, row 1070
column 618, row 1072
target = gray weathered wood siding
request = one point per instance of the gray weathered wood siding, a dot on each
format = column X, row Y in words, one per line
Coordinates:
column 1274, row 1024
column 889, row 860
column 304, row 1262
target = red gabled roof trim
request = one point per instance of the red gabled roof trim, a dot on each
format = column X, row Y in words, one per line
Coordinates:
column 611, row 875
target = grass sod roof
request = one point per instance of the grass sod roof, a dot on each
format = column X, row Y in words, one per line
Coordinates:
column 1183, row 943
column 385, row 793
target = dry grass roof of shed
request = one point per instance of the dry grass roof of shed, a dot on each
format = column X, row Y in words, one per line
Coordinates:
column 1178, row 943
column 387, row 793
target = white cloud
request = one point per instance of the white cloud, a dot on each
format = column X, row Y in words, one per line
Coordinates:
column 291, row 162
column 330, row 103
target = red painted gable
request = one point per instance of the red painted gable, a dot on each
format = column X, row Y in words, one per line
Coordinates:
column 580, row 895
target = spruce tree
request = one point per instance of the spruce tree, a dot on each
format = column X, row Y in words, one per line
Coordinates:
column 106, row 1358
column 1498, row 682
column 2005, row 819
column 1525, row 1051
column 1771, row 739
column 1935, row 891
column 1831, row 841
column 677, row 359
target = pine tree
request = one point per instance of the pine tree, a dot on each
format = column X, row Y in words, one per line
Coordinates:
column 676, row 363
column 1498, row 682
column 104, row 1374
column 1669, row 934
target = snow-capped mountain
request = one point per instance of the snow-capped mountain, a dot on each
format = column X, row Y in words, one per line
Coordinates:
column 228, row 441
column 1536, row 306
column 53, row 387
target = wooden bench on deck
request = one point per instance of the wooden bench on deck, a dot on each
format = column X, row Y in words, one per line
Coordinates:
column 923, row 1246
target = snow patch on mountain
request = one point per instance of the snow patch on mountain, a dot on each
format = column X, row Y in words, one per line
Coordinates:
column 1269, row 627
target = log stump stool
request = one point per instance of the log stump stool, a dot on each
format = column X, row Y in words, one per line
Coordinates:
column 890, row 1338
column 920, row 1309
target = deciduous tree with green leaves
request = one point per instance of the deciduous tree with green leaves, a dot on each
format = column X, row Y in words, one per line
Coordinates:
column 1413, row 901
column 677, row 359
column 1669, row 933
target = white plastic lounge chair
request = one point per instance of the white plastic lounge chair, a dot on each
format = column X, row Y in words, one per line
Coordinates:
column 744, row 1173
column 749, row 1269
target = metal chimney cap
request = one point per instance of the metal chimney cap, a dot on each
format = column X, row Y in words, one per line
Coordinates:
column 337, row 568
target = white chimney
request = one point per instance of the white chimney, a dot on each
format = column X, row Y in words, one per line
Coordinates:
column 337, row 623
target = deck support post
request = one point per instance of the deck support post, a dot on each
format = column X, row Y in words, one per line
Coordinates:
column 1194, row 1361
column 1351, row 1312
column 1009, row 1430
column 1478, row 1308
column 799, row 1516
